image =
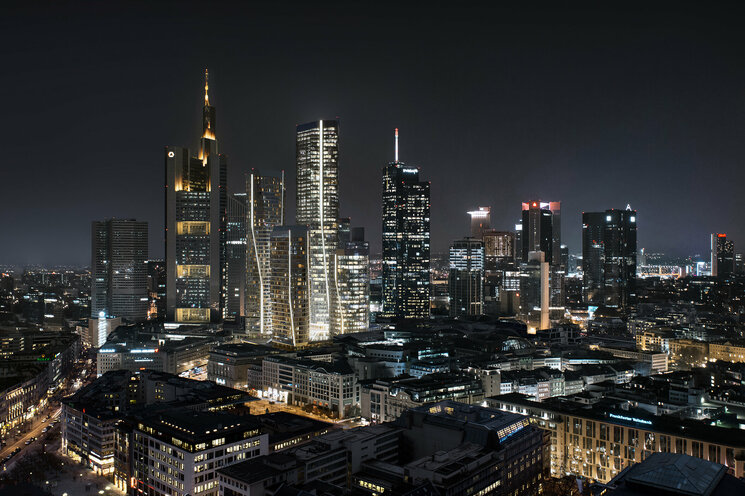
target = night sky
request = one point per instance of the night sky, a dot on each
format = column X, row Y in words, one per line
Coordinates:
column 593, row 108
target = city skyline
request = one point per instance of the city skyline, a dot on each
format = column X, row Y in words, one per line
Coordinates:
column 570, row 114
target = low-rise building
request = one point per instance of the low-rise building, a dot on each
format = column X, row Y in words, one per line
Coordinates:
column 331, row 386
column 178, row 453
column 384, row 400
column 598, row 439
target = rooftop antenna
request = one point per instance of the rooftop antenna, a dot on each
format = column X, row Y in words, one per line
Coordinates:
column 396, row 154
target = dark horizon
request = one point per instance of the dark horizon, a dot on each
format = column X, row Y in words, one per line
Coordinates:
column 594, row 107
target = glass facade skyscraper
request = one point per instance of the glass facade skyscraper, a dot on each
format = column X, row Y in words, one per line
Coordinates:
column 235, row 258
column 466, row 278
column 118, row 271
column 196, row 216
column 352, row 283
column 722, row 255
column 289, row 285
column 317, row 203
column 406, row 242
column 265, row 211
column 609, row 256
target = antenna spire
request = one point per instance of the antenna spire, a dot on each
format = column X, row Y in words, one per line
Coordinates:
column 396, row 152
column 206, row 88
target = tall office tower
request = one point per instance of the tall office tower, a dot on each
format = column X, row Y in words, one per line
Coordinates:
column 609, row 256
column 739, row 264
column 156, row 288
column 406, row 276
column 722, row 255
column 351, row 313
column 317, row 202
column 119, row 273
column 593, row 256
column 289, row 285
column 466, row 278
column 499, row 257
column 534, row 291
column 541, row 230
column 518, row 251
column 196, row 208
column 564, row 250
column 619, row 268
column 235, row 257
column 265, row 210
column 499, row 248
column 480, row 221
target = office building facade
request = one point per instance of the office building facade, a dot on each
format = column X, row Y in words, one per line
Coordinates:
column 722, row 255
column 317, row 203
column 235, row 258
column 541, row 230
column 352, row 284
column 406, row 242
column 466, row 278
column 196, row 208
column 265, row 210
column 118, row 271
column 289, row 285
column 609, row 257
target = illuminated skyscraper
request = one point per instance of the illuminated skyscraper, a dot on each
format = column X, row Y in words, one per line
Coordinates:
column 406, row 276
column 196, row 211
column 289, row 285
column 609, row 256
column 118, row 270
column 317, row 202
column 265, row 210
column 480, row 221
column 235, row 257
column 593, row 256
column 352, row 283
column 466, row 278
column 722, row 255
column 535, row 291
column 541, row 230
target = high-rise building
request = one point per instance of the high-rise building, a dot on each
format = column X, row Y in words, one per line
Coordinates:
column 156, row 288
column 317, row 202
column 235, row 257
column 466, row 278
column 352, row 283
column 265, row 204
column 541, row 230
column 535, row 291
column 289, row 285
column 119, row 273
column 196, row 211
column 722, row 255
column 619, row 268
column 593, row 256
column 406, row 239
column 480, row 221
column 609, row 256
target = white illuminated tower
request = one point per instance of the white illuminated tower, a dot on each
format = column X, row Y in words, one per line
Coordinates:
column 265, row 211
column 317, row 202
